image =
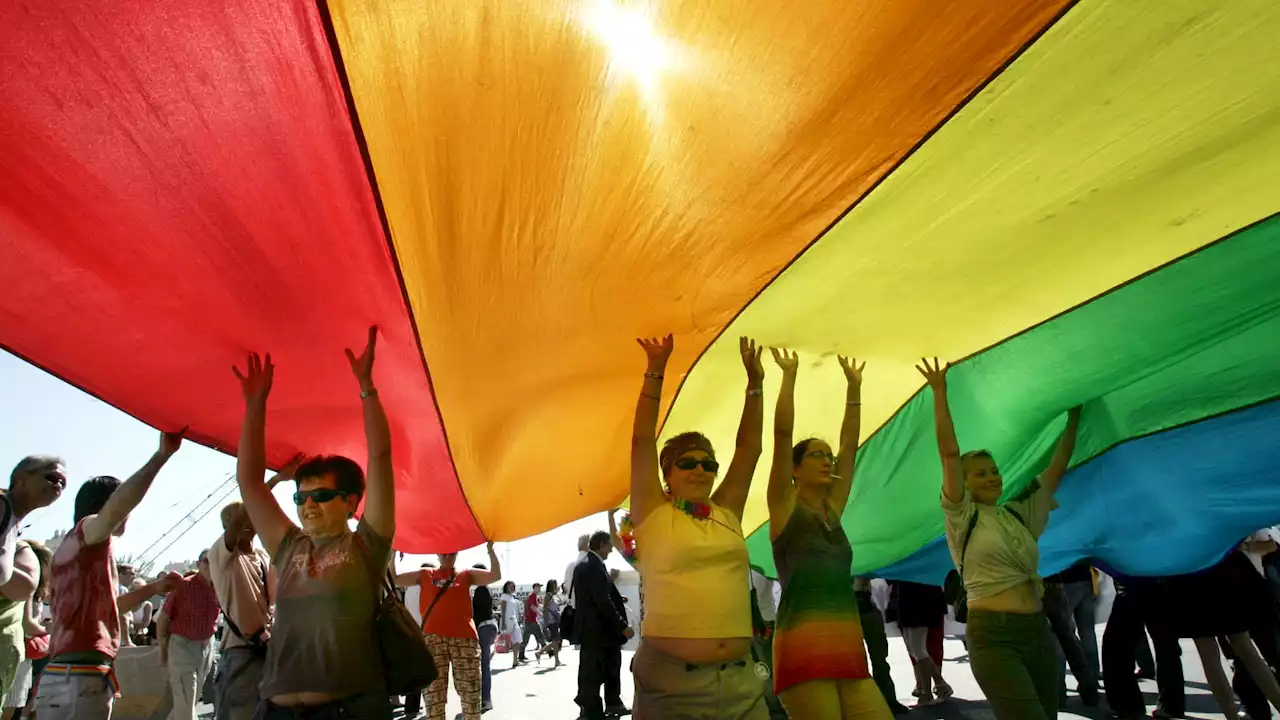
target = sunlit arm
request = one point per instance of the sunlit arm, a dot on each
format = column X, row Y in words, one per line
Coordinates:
column 782, row 491
column 733, row 490
column 948, row 447
column 1052, row 475
column 251, row 464
column 850, row 431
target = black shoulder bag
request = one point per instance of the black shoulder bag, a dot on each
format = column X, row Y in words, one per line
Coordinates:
column 406, row 662
column 568, row 632
column 254, row 641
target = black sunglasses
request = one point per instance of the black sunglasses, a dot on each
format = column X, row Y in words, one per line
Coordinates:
column 707, row 464
column 321, row 496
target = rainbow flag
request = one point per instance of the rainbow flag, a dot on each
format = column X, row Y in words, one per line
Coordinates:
column 1074, row 201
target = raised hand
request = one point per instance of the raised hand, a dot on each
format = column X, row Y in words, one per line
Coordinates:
column 286, row 473
column 170, row 442
column 935, row 374
column 362, row 366
column 658, row 351
column 852, row 370
column 788, row 360
column 255, row 382
column 751, row 354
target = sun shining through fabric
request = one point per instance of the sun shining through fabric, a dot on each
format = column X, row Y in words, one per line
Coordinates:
column 544, row 217
column 1125, row 137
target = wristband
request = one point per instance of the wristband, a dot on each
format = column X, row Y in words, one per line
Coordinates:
column 371, row 392
column 853, row 402
column 755, row 391
column 653, row 375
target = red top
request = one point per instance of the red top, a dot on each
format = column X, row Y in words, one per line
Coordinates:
column 192, row 608
column 84, row 585
column 531, row 608
column 451, row 617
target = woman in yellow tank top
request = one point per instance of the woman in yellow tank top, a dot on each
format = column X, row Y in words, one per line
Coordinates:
column 694, row 660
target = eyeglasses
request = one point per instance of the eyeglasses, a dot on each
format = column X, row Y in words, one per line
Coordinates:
column 820, row 455
column 321, row 496
column 707, row 464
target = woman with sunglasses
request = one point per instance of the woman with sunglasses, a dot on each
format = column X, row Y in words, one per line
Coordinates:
column 819, row 659
column 322, row 657
column 694, row 659
column 995, row 549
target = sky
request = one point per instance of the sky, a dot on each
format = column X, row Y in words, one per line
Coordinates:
column 41, row 415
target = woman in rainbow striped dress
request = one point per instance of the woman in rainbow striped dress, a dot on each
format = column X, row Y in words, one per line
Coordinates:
column 819, row 659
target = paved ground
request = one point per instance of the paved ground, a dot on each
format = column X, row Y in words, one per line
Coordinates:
column 531, row 692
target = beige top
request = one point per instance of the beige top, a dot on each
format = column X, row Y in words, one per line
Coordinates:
column 1003, row 553
column 238, row 580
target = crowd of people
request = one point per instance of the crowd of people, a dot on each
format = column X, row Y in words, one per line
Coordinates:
column 303, row 615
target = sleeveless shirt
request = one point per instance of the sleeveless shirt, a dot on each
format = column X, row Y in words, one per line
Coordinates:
column 818, row 634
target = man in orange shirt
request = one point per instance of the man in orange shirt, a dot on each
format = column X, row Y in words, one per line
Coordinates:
column 447, row 622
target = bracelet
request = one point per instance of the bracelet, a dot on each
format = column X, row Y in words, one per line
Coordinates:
column 371, row 392
column 754, row 392
column 651, row 397
column 853, row 402
column 654, row 376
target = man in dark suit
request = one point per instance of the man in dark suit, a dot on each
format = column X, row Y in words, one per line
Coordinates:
column 600, row 624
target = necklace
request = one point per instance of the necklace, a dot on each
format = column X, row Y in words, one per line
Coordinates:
column 700, row 511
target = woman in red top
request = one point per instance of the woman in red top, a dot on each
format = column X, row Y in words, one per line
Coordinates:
column 447, row 622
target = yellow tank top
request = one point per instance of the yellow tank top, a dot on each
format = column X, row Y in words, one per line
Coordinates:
column 696, row 574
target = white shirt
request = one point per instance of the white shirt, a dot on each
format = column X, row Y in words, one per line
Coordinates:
column 568, row 577
column 411, row 600
column 765, row 596
column 1262, row 535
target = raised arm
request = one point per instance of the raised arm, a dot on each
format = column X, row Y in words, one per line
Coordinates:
column 99, row 527
column 1052, row 475
column 490, row 576
column 646, row 483
column 251, row 461
column 736, row 485
column 130, row 601
column 380, row 485
column 850, row 432
column 782, row 491
column 286, row 473
column 948, row 446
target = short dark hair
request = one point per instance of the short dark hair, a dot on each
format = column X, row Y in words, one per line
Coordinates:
column 599, row 539
column 537, row 585
column 93, row 495
column 677, row 446
column 977, row 454
column 509, row 584
column 347, row 475
column 797, row 452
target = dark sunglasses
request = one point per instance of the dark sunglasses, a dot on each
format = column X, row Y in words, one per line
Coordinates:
column 820, row 455
column 321, row 496
column 707, row 464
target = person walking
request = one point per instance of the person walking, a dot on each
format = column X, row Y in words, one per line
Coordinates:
column 487, row 630
column 185, row 633
column 450, row 629
column 601, row 629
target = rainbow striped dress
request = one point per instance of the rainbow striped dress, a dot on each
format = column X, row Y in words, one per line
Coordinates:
column 818, row 634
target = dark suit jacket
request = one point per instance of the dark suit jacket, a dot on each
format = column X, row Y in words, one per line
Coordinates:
column 599, row 615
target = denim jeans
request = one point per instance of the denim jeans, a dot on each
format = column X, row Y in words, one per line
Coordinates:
column 488, row 634
column 1083, row 606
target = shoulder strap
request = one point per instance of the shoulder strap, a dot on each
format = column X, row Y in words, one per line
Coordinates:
column 964, row 548
column 1016, row 515
column 435, row 600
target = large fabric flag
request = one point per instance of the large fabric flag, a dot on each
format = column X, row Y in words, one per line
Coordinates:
column 1074, row 201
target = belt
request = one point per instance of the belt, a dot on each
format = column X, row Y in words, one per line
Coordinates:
column 690, row 667
column 106, row 672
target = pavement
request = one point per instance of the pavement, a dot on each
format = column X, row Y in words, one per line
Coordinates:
column 533, row 692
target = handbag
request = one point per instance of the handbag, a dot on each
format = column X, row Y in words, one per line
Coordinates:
column 407, row 664
column 503, row 644
column 953, row 589
column 568, row 629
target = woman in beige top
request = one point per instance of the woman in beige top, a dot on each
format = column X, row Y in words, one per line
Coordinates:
column 994, row 547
